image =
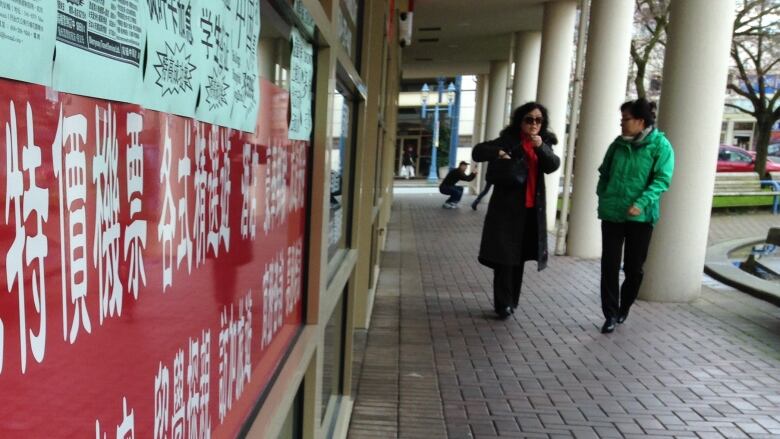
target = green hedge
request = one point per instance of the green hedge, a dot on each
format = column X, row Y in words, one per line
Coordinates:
column 744, row 201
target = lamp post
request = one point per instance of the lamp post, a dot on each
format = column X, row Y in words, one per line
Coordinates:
column 453, row 93
column 432, row 171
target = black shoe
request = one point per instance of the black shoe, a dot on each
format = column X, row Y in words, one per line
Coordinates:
column 474, row 205
column 622, row 318
column 504, row 312
column 609, row 326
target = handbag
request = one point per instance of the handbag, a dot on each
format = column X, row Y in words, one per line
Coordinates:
column 507, row 172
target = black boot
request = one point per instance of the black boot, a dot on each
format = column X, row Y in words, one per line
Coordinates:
column 504, row 312
column 609, row 326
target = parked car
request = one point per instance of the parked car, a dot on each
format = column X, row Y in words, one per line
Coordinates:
column 773, row 150
column 734, row 159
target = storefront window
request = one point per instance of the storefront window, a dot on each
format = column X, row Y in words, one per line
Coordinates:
column 333, row 363
column 340, row 155
column 348, row 13
column 274, row 53
column 293, row 423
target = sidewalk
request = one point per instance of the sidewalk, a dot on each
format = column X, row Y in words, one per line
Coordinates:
column 438, row 365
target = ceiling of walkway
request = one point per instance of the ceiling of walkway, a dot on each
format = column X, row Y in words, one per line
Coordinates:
column 452, row 37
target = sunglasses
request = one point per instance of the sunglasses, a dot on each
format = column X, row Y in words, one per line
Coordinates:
column 533, row 120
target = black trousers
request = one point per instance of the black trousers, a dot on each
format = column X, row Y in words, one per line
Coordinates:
column 455, row 193
column 507, row 280
column 482, row 194
column 617, row 300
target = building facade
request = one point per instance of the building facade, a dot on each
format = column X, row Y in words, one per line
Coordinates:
column 197, row 195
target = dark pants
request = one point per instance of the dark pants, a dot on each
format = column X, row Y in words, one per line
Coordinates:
column 507, row 280
column 482, row 194
column 455, row 193
column 616, row 300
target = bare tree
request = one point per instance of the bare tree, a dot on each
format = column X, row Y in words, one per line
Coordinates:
column 755, row 53
column 651, row 18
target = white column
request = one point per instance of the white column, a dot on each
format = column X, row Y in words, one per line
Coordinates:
column 478, row 134
column 528, row 47
column 554, row 78
column 480, row 109
column 496, row 98
column 691, row 112
column 495, row 106
column 729, row 140
column 606, row 70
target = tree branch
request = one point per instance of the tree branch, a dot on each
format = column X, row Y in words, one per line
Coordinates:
column 773, row 103
column 736, row 89
column 751, row 55
column 741, row 109
column 741, row 69
column 771, row 65
column 749, row 92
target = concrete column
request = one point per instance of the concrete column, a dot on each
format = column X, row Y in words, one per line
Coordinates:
column 729, row 140
column 495, row 107
column 480, row 108
column 554, row 79
column 691, row 111
column 606, row 70
column 496, row 98
column 528, row 47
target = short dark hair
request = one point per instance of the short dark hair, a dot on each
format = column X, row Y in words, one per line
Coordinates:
column 640, row 109
column 519, row 114
column 463, row 163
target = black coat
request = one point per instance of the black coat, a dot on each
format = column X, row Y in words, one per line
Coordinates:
column 505, row 240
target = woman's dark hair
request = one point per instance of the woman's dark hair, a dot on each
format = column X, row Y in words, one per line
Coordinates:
column 641, row 109
column 520, row 113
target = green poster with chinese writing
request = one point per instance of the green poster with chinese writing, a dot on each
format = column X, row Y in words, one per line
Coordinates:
column 246, row 106
column 244, row 79
column 301, row 75
column 170, row 81
column 27, row 32
column 304, row 15
column 100, row 46
column 214, row 51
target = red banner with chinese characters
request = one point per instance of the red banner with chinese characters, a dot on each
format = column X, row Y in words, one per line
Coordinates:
column 154, row 266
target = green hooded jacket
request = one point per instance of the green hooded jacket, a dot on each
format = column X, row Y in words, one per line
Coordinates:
column 635, row 174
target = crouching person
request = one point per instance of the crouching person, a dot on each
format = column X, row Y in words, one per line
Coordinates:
column 449, row 185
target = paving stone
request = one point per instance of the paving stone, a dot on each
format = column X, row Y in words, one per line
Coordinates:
column 436, row 363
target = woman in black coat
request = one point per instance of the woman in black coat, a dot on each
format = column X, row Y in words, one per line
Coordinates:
column 515, row 227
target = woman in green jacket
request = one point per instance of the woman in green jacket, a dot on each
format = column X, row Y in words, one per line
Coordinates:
column 636, row 170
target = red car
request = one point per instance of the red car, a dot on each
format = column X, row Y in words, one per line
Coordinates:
column 734, row 159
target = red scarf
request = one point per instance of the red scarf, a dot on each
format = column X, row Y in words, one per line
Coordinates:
column 532, row 160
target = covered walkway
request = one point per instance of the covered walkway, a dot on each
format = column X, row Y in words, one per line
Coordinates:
column 438, row 364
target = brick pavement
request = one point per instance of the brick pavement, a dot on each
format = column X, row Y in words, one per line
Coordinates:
column 741, row 223
column 437, row 364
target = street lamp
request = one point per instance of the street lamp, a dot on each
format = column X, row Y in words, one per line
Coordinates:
column 424, row 98
column 432, row 171
column 450, row 97
column 453, row 93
